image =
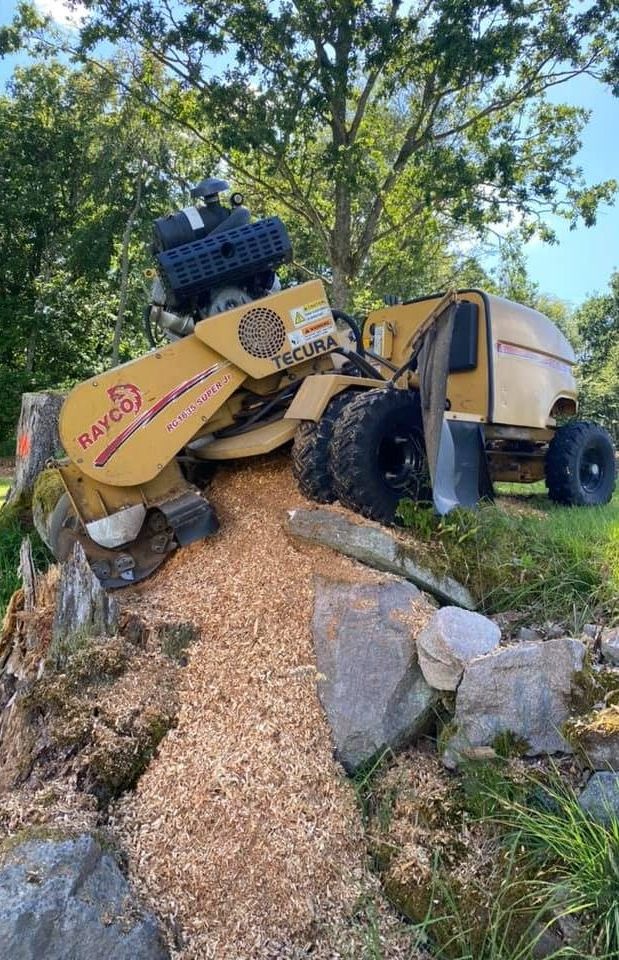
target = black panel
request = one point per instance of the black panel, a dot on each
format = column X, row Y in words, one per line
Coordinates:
column 191, row 269
column 463, row 352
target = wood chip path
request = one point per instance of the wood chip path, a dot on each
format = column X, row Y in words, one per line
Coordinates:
column 244, row 833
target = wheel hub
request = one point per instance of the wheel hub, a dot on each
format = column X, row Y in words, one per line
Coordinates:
column 400, row 460
column 591, row 471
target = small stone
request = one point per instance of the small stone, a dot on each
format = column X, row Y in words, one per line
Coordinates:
column 590, row 630
column 451, row 639
column 600, row 798
column 527, row 635
column 553, row 630
column 597, row 738
column 371, row 688
column 610, row 645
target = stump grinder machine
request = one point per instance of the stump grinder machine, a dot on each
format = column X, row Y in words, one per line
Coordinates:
column 433, row 399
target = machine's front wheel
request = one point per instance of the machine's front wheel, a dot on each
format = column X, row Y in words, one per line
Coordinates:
column 378, row 453
column 580, row 465
column 311, row 451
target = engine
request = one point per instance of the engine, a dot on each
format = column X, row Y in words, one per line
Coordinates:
column 211, row 258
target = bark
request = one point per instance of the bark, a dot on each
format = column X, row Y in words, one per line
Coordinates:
column 37, row 441
column 83, row 608
column 340, row 287
column 124, row 269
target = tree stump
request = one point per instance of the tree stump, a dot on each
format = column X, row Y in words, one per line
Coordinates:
column 83, row 608
column 37, row 442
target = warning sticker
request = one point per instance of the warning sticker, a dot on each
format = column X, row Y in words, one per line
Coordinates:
column 310, row 312
column 311, row 331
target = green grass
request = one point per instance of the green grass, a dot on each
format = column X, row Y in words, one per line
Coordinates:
column 556, row 863
column 5, row 483
column 526, row 554
column 578, row 861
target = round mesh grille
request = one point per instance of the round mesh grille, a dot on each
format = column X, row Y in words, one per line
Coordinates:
column 262, row 332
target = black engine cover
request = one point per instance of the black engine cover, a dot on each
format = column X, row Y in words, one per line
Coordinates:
column 190, row 270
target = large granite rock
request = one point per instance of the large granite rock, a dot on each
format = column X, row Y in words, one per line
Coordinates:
column 451, row 639
column 68, row 900
column 600, row 798
column 377, row 547
column 523, row 691
column 371, row 686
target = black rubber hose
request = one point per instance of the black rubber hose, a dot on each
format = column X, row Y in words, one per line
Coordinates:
column 340, row 315
column 146, row 324
column 361, row 363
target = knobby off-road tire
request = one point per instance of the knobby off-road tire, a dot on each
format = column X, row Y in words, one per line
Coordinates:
column 378, row 455
column 580, row 465
column 311, row 453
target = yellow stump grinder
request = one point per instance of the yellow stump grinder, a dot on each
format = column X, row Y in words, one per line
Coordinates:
column 433, row 399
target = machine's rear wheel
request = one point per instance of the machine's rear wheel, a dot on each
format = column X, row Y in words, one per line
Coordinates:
column 580, row 465
column 378, row 454
column 311, row 451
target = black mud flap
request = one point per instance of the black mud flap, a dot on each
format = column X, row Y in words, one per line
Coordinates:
column 461, row 477
column 191, row 518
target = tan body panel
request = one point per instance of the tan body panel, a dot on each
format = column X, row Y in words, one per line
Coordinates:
column 315, row 393
column 532, row 365
column 94, row 500
column 274, row 329
column 468, row 391
column 123, row 426
column 251, row 444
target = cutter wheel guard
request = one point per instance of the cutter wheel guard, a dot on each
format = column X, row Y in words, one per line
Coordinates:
column 433, row 399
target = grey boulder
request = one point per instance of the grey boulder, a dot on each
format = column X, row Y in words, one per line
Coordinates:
column 522, row 690
column 600, row 798
column 68, row 900
column 610, row 645
column 451, row 639
column 370, row 684
column 377, row 547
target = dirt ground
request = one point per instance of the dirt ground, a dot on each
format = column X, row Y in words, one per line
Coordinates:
column 244, row 833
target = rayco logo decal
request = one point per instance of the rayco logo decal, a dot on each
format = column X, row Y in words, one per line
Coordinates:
column 126, row 399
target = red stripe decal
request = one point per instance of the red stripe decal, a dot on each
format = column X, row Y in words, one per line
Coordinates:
column 149, row 415
column 534, row 356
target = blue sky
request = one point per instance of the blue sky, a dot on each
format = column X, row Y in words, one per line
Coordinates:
column 583, row 260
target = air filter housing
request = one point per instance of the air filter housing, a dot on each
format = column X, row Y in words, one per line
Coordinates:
column 189, row 271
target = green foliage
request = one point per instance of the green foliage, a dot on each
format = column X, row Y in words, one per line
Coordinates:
column 380, row 127
column 12, row 532
column 598, row 328
column 76, row 145
column 456, row 929
column 552, row 563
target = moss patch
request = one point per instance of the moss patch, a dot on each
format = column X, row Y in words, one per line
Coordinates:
column 102, row 710
column 176, row 638
column 48, row 489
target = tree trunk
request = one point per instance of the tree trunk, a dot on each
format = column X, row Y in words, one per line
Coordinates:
column 340, row 287
column 124, row 270
column 37, row 441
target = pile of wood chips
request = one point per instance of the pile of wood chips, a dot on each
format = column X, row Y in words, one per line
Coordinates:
column 244, row 833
